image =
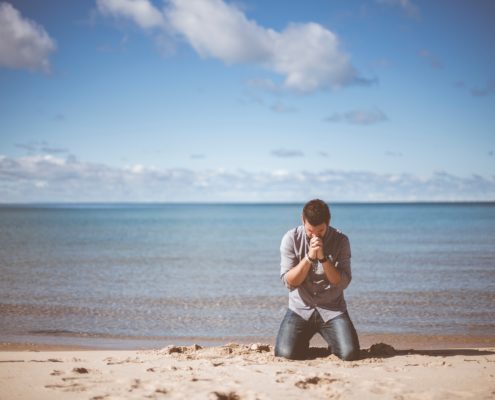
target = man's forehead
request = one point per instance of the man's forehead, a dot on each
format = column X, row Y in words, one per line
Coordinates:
column 323, row 224
column 312, row 228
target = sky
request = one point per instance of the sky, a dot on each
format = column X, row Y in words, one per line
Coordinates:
column 247, row 100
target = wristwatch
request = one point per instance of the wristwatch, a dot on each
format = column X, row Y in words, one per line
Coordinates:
column 311, row 260
column 326, row 258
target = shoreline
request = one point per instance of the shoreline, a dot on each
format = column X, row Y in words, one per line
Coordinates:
column 84, row 343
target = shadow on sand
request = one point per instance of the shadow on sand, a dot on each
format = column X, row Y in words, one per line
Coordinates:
column 383, row 350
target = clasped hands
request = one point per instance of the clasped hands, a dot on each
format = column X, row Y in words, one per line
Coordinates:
column 316, row 250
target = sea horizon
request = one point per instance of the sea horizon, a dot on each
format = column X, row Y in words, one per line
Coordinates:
column 302, row 202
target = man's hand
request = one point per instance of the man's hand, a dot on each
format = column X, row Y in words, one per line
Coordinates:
column 316, row 248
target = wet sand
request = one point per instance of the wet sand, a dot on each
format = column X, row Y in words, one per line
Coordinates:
column 81, row 342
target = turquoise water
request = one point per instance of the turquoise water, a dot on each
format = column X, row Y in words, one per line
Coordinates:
column 212, row 271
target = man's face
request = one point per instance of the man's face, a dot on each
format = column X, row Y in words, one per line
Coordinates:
column 318, row 230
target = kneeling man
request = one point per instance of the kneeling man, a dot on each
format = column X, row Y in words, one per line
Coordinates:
column 316, row 268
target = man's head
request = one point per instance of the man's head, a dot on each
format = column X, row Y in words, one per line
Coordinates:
column 316, row 218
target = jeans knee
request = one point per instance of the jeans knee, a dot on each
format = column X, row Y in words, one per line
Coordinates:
column 285, row 352
column 349, row 354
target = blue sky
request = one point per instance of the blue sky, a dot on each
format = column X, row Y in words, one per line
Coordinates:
column 212, row 100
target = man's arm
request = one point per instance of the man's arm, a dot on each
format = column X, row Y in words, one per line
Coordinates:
column 332, row 273
column 294, row 272
column 340, row 276
column 295, row 276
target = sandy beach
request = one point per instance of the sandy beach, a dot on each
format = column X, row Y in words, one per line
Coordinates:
column 245, row 371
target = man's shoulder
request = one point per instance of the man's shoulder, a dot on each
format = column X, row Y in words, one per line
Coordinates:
column 336, row 233
column 338, row 238
column 293, row 235
column 296, row 232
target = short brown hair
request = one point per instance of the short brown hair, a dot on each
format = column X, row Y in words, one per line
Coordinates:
column 316, row 212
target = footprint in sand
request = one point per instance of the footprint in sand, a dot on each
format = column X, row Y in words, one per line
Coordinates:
column 80, row 370
column 224, row 396
column 56, row 372
column 136, row 384
column 315, row 381
column 75, row 383
column 147, row 390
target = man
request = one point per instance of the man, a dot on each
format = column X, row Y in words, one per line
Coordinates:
column 316, row 267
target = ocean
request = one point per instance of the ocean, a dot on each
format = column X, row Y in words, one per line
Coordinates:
column 77, row 273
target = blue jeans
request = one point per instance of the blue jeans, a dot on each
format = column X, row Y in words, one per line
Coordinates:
column 295, row 333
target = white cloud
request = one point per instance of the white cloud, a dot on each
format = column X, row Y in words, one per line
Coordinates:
column 141, row 12
column 280, row 173
column 216, row 29
column 359, row 117
column 49, row 178
column 308, row 55
column 24, row 44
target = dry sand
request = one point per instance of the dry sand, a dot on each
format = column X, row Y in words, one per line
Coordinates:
column 237, row 371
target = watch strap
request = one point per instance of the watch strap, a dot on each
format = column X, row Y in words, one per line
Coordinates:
column 311, row 260
column 326, row 258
